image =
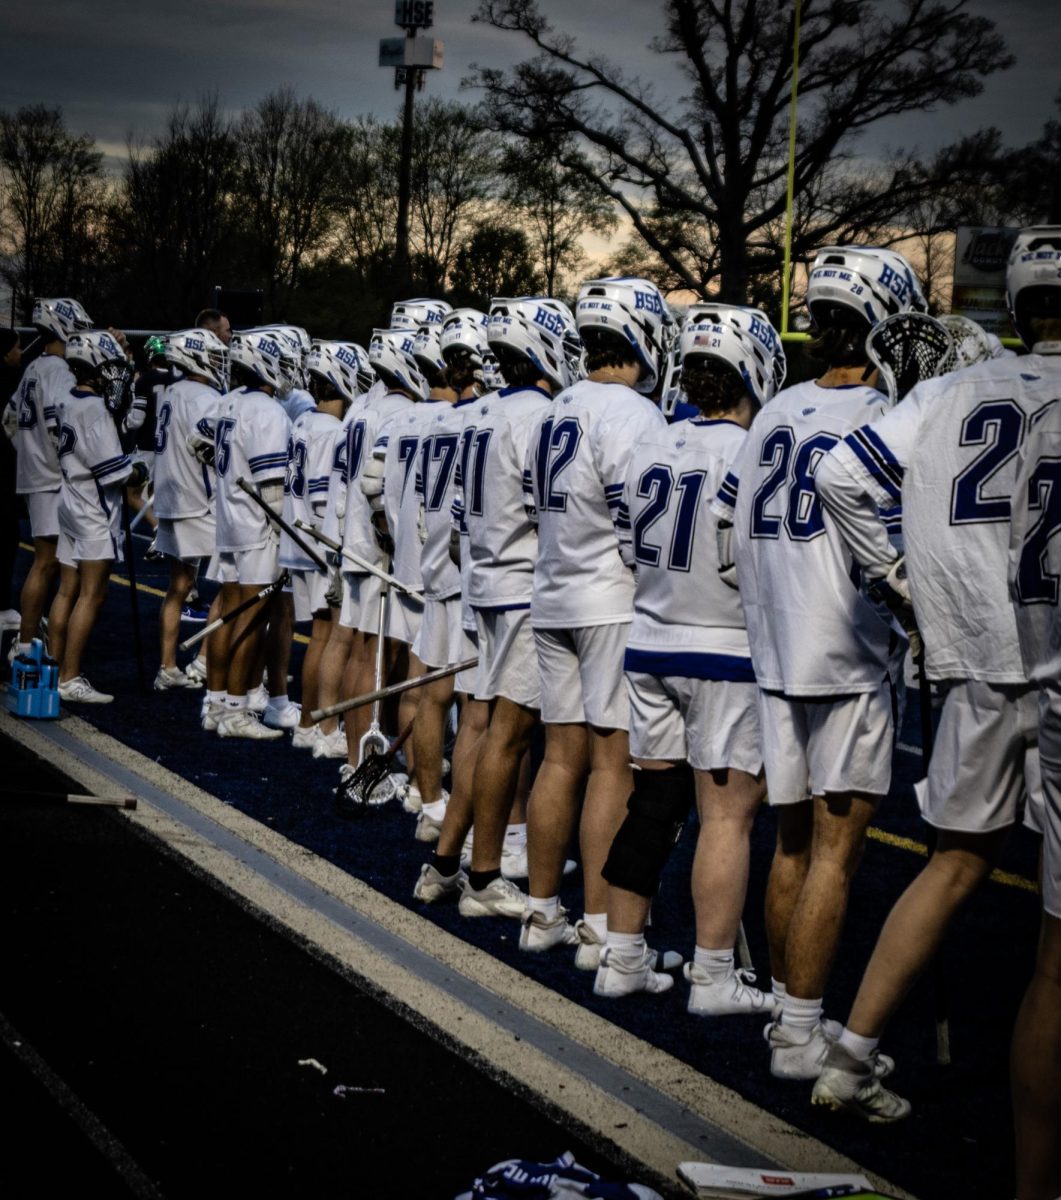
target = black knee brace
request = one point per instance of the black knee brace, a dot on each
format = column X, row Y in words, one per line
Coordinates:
column 655, row 816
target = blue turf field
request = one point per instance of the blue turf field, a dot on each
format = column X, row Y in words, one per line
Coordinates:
column 958, row 1141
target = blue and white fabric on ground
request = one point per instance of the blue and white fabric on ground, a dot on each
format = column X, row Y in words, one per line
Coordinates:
column 520, row 1179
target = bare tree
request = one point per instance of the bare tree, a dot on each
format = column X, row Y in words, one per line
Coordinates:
column 495, row 260
column 703, row 180
column 52, row 192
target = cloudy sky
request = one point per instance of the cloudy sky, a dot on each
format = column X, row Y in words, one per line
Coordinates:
column 118, row 66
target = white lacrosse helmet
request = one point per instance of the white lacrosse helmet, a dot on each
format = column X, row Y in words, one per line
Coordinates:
column 344, row 365
column 391, row 354
column 96, row 348
column 60, row 317
column 740, row 336
column 411, row 314
column 865, row 280
column 493, row 380
column 464, row 335
column 295, row 344
column 427, row 350
column 635, row 310
column 198, row 352
column 536, row 328
column 261, row 353
column 1033, row 278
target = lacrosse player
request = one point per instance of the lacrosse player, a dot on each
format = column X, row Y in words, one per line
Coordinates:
column 183, row 485
column 949, row 451
column 694, row 720
column 30, row 420
column 823, row 652
column 94, row 470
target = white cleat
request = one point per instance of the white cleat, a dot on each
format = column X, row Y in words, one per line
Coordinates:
column 173, row 677
column 412, row 801
column 500, row 898
column 710, row 997
column 210, row 715
column 852, row 1085
column 587, row 956
column 795, row 1058
column 618, row 975
column 428, row 828
column 258, row 698
column 79, row 691
column 432, row 887
column 330, row 745
column 287, row 717
column 242, row 723
column 196, row 669
column 540, row 933
column 306, row 737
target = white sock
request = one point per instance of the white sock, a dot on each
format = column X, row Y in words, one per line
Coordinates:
column 436, row 810
column 278, row 703
column 778, row 990
column 717, row 963
column 24, row 647
column 235, row 702
column 801, row 1015
column 598, row 922
column 860, row 1047
column 215, row 697
column 627, row 945
column 548, row 906
column 516, row 835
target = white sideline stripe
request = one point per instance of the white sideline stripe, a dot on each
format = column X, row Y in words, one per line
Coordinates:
column 566, row 1057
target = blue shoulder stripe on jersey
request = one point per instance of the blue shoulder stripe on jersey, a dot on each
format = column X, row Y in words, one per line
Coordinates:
column 727, row 493
column 889, row 477
column 690, row 664
column 261, row 461
column 110, row 466
column 892, row 516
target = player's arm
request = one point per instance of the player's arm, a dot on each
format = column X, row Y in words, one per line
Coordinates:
column 613, row 447
column 102, row 453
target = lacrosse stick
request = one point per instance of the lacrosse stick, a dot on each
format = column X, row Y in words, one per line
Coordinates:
column 971, row 343
column 908, row 348
column 355, row 795
column 280, row 523
column 361, row 563
column 395, row 689
column 232, row 614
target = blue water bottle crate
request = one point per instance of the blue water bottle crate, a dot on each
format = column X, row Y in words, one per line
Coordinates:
column 34, row 687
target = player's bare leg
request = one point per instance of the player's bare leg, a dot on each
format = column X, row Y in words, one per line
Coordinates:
column 408, row 666
column 90, row 599
column 344, row 644
column 181, row 579
column 917, row 922
column 248, row 634
column 35, row 589
column 429, row 735
column 219, row 643
column 840, row 824
column 553, row 807
column 1035, row 1073
column 609, row 784
column 501, row 752
column 320, row 633
column 727, row 802
column 788, row 872
column 62, row 607
column 278, row 637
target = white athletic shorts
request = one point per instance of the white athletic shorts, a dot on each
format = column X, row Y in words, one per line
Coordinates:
column 1050, row 758
column 249, row 568
column 43, row 508
column 440, row 639
column 70, row 551
column 404, row 615
column 308, row 589
column 985, row 759
column 360, row 607
column 824, row 747
column 467, row 682
column 581, row 672
column 710, row 723
column 191, row 539
column 508, row 657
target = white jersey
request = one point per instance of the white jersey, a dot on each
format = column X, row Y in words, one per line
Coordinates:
column 183, row 486
column 310, row 455
column 44, row 386
column 436, row 488
column 335, row 509
column 1035, row 549
column 949, row 451
column 687, row 621
column 250, row 443
column 93, row 466
column 362, row 434
column 502, row 542
column 399, row 445
column 578, row 465
column 811, row 628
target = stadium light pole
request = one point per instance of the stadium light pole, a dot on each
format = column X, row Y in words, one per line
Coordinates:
column 411, row 57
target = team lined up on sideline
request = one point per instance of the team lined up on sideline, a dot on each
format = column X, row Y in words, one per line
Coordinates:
column 711, row 608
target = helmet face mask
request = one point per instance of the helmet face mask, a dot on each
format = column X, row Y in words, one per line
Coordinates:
column 199, row 352
column 58, row 319
column 391, row 354
column 537, row 329
column 1033, row 279
column 411, row 314
column 634, row 310
column 865, row 282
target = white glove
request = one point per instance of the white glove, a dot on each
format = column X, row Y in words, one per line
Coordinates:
column 10, row 420
column 201, row 447
column 421, row 524
column 136, row 415
column 727, row 568
column 372, row 483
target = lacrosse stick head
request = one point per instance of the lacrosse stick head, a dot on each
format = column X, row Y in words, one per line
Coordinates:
column 358, row 791
column 907, row 349
column 971, row 342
